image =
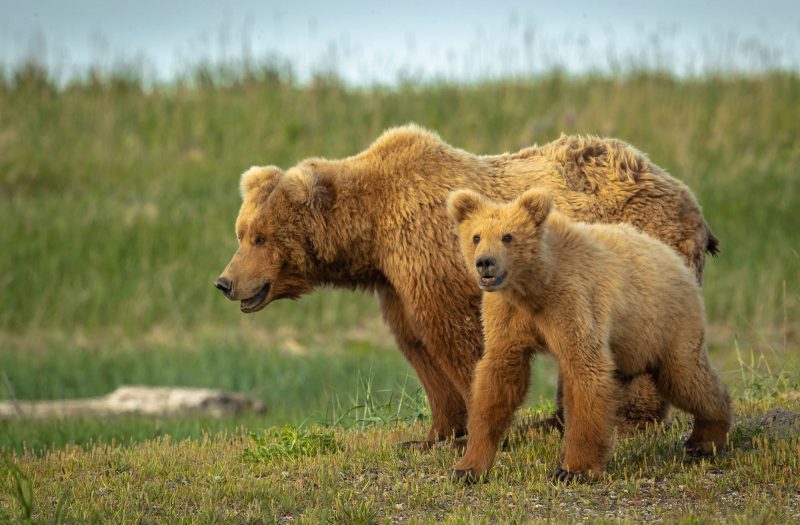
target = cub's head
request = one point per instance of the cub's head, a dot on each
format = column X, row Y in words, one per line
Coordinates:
column 499, row 241
column 279, row 228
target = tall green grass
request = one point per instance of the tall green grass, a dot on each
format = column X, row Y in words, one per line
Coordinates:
column 117, row 204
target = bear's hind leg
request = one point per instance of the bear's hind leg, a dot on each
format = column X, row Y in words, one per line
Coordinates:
column 448, row 409
column 688, row 381
column 556, row 419
column 642, row 403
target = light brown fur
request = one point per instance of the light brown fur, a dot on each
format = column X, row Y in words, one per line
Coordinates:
column 605, row 300
column 377, row 221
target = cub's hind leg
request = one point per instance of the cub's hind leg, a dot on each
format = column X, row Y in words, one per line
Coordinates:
column 688, row 381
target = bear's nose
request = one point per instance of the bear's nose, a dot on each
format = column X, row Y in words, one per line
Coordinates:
column 485, row 265
column 224, row 284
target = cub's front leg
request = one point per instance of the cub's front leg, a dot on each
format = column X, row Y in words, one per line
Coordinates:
column 498, row 389
column 590, row 402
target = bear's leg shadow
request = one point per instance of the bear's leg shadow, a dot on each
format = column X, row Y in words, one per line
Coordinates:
column 500, row 385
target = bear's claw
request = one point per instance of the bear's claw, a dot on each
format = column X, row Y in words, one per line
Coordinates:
column 565, row 476
column 697, row 450
column 468, row 476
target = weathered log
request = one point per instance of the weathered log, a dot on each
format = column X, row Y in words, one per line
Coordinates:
column 137, row 400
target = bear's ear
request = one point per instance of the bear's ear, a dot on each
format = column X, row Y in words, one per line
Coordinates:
column 463, row 203
column 259, row 177
column 538, row 203
column 305, row 187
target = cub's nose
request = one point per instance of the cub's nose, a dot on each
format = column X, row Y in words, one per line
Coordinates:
column 224, row 284
column 486, row 265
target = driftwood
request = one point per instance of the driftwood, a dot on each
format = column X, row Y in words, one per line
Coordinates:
column 137, row 400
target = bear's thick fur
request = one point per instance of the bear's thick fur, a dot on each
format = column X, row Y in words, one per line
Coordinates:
column 377, row 221
column 606, row 301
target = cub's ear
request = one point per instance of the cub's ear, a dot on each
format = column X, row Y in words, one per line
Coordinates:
column 538, row 203
column 305, row 187
column 463, row 203
column 262, row 178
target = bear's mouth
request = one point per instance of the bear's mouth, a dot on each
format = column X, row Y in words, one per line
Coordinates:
column 490, row 283
column 253, row 304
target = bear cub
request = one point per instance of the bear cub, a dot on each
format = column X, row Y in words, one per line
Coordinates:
column 606, row 301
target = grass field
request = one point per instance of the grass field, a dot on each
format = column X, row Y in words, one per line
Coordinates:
column 323, row 476
column 116, row 213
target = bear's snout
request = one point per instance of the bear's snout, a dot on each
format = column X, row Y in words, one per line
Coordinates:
column 487, row 266
column 491, row 272
column 224, row 284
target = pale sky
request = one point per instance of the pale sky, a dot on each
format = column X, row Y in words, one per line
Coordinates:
column 374, row 41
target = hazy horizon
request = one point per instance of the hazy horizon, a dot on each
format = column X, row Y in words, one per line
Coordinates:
column 380, row 42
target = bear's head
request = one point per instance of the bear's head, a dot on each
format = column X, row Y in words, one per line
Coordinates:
column 280, row 227
column 499, row 241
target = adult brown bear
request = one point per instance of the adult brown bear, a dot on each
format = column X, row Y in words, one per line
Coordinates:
column 378, row 221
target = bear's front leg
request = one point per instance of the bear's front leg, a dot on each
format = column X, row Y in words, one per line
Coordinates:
column 448, row 407
column 499, row 388
column 590, row 402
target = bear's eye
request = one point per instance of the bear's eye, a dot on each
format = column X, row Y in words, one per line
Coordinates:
column 476, row 239
column 507, row 238
column 259, row 240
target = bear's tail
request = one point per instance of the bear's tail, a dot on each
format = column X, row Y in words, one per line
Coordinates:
column 712, row 245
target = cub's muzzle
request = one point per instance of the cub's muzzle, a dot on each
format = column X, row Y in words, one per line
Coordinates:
column 486, row 266
column 488, row 278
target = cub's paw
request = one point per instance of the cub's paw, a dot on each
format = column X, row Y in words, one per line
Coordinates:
column 469, row 476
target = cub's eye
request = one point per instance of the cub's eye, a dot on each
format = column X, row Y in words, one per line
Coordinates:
column 476, row 239
column 507, row 238
column 259, row 241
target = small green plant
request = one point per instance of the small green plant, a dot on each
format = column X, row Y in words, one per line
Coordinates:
column 360, row 512
column 290, row 442
column 370, row 407
column 760, row 379
column 21, row 489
